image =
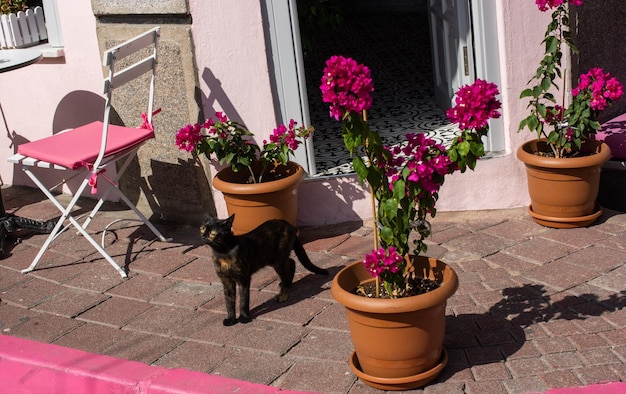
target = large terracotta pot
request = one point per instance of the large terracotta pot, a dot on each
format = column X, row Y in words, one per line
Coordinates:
column 398, row 342
column 563, row 192
column 255, row 203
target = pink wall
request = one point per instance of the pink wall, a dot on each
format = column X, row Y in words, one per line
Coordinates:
column 232, row 65
column 35, row 99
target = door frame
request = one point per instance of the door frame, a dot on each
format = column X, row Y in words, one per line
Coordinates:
column 287, row 63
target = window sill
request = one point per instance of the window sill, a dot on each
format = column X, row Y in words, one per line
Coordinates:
column 49, row 51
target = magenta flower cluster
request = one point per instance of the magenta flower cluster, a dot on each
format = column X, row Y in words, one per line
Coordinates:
column 285, row 134
column 545, row 5
column 381, row 261
column 475, row 105
column 426, row 160
column 346, row 86
column 188, row 137
column 599, row 87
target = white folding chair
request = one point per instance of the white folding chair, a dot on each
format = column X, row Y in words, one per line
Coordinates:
column 90, row 149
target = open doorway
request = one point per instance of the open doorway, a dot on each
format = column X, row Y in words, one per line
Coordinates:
column 392, row 38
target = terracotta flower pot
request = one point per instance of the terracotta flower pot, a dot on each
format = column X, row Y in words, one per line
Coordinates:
column 255, row 203
column 398, row 342
column 563, row 191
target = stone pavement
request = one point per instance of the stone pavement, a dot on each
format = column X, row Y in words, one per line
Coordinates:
column 536, row 309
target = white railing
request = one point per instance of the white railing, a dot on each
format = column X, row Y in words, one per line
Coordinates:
column 23, row 29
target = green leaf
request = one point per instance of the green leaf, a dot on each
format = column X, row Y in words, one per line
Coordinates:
column 386, row 234
column 360, row 168
column 526, row 93
column 390, row 208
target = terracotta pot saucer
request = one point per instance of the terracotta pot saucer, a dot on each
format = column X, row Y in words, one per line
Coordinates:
column 397, row 384
column 575, row 222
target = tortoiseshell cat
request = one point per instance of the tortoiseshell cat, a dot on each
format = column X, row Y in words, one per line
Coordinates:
column 237, row 257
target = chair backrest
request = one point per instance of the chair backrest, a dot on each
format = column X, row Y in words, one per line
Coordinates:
column 115, row 79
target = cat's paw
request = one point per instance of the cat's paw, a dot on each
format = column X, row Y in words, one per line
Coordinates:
column 229, row 321
column 245, row 319
column 282, row 297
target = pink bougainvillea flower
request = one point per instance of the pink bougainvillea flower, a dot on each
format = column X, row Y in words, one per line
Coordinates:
column 188, row 137
column 545, row 5
column 475, row 105
column 599, row 88
column 381, row 261
column 346, row 86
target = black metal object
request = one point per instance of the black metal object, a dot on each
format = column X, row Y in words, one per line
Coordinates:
column 10, row 223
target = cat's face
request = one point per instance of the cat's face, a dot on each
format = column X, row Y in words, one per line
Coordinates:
column 215, row 231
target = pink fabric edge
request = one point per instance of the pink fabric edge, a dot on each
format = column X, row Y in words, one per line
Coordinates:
column 34, row 367
column 81, row 145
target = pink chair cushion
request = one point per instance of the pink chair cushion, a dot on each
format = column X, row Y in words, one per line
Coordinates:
column 81, row 145
column 613, row 133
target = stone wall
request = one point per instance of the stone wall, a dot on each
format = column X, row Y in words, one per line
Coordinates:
column 164, row 182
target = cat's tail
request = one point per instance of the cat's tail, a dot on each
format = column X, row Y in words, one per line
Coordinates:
column 304, row 259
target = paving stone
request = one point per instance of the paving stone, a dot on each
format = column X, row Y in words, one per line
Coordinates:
column 318, row 376
column 558, row 379
column 99, row 277
column 141, row 347
column 577, row 237
column 526, row 367
column 11, row 316
column 161, row 262
column 198, row 270
column 485, row 387
column 615, row 337
column 71, row 302
column 554, row 345
column 560, row 274
column 479, row 244
column 599, row 356
column 142, row 287
column 207, row 327
column 529, row 384
column 332, row 317
column 597, row 258
column 30, row 293
column 93, row 338
column 324, row 345
column 195, row 356
column 563, row 360
column 492, row 371
column 160, row 320
column 188, row 295
column 540, row 250
column 10, row 278
column 516, row 230
column 115, row 312
column 595, row 374
column 484, row 355
column 268, row 336
column 251, row 366
column 355, row 247
column 44, row 327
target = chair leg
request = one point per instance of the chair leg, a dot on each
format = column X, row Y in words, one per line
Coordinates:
column 114, row 185
column 66, row 215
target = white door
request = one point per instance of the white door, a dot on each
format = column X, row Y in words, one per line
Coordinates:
column 451, row 42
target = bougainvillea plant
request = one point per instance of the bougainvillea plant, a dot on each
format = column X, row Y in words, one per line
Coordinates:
column 404, row 180
column 565, row 128
column 233, row 144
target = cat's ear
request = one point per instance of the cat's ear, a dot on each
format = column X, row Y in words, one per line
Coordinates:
column 230, row 220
